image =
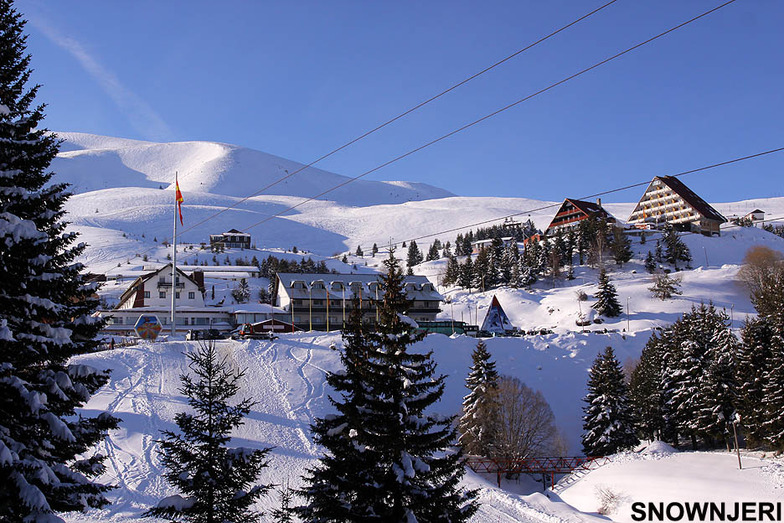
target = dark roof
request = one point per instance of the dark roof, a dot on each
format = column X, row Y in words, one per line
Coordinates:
column 700, row 205
column 590, row 208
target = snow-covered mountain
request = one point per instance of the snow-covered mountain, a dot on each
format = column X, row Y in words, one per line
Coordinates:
column 123, row 207
column 123, row 200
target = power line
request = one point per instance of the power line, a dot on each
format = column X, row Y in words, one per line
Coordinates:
column 491, row 115
column 401, row 115
column 590, row 196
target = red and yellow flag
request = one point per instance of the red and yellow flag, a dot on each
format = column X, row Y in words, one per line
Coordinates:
column 178, row 198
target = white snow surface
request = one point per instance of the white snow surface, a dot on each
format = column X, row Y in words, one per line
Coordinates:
column 124, row 203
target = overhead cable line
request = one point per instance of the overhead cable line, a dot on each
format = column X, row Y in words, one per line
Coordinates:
column 591, row 196
column 402, row 115
column 491, row 115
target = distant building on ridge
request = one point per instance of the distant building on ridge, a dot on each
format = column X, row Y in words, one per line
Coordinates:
column 232, row 239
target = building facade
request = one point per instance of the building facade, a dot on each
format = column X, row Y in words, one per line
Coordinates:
column 324, row 301
column 668, row 200
column 572, row 212
column 232, row 239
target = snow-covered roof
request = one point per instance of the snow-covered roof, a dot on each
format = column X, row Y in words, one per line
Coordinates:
column 307, row 286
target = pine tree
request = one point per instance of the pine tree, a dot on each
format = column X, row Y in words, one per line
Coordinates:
column 674, row 249
column 241, row 293
column 374, row 251
column 477, row 424
column 403, row 472
column 645, row 391
column 432, row 253
column 466, row 274
column 336, row 489
column 621, row 246
column 359, row 252
column 452, row 272
column 607, row 297
column 650, row 264
column 414, row 255
column 773, row 394
column 46, row 312
column 754, row 354
column 217, row 481
column 664, row 287
column 608, row 423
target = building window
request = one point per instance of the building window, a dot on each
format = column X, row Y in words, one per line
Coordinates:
column 146, row 294
column 191, row 295
column 161, row 294
column 117, row 320
column 177, row 295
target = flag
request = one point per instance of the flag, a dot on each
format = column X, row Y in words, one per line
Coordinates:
column 178, row 198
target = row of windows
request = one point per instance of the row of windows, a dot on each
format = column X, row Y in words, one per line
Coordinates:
column 118, row 320
column 162, row 294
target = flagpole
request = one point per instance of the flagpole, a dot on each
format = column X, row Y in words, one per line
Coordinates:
column 174, row 263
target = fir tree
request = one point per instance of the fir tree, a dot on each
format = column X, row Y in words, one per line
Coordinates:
column 674, row 249
column 217, row 481
column 607, row 297
column 664, row 287
column 374, row 251
column 359, row 252
column 650, row 264
column 754, row 354
column 414, row 255
column 403, row 473
column 467, row 274
column 645, row 391
column 336, row 489
column 46, row 307
column 241, row 293
column 621, row 246
column 607, row 425
column 773, row 392
column 452, row 273
column 480, row 406
column 432, row 253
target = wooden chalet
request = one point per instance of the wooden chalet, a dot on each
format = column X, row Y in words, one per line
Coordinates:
column 572, row 212
column 668, row 200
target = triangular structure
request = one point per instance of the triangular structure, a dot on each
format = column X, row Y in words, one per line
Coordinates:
column 496, row 320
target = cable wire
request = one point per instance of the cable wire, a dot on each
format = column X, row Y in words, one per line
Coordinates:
column 491, row 115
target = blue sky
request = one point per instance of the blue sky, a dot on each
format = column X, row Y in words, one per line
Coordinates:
column 298, row 79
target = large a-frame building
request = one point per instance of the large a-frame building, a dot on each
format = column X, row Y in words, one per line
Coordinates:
column 572, row 212
column 668, row 200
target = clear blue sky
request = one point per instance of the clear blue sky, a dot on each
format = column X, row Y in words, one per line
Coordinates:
column 297, row 79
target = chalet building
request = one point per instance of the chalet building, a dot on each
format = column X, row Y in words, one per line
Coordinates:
column 572, row 212
column 755, row 216
column 323, row 301
column 668, row 200
column 151, row 294
column 233, row 239
column 480, row 245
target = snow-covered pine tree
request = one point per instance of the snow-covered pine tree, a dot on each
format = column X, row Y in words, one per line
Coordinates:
column 415, row 476
column 674, row 249
column 414, row 255
column 621, row 246
column 480, row 405
column 665, row 287
column 340, row 487
column 608, row 425
column 718, row 383
column 241, row 293
column 46, row 465
column 432, row 253
column 452, row 272
column 650, row 264
column 754, row 354
column 607, row 297
column 466, row 277
column 645, row 391
column 482, row 277
column 773, row 394
column 217, row 481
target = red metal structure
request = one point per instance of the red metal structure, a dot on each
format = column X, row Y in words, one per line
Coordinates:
column 543, row 465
